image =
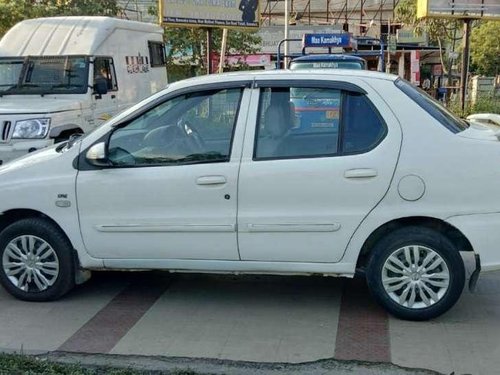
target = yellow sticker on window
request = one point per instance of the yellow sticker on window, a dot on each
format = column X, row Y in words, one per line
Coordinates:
column 332, row 114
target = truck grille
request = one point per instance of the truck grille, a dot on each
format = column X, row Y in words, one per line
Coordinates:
column 6, row 130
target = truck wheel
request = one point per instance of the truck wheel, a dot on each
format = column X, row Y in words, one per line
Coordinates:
column 64, row 136
column 35, row 260
column 415, row 273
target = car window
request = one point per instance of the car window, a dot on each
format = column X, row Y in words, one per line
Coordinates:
column 363, row 127
column 302, row 122
column 298, row 122
column 192, row 128
column 432, row 107
column 104, row 68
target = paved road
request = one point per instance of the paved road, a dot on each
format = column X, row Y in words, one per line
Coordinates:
column 253, row 318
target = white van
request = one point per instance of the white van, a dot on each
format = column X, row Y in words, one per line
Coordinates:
column 65, row 75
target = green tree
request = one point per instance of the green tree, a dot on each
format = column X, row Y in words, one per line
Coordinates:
column 186, row 47
column 485, row 48
column 13, row 11
column 440, row 31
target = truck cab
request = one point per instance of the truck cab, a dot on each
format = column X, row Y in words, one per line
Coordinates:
column 67, row 75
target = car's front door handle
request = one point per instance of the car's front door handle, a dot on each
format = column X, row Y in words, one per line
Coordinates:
column 211, row 180
column 360, row 173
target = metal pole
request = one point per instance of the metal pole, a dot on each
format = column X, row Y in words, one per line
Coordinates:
column 465, row 64
column 209, row 51
column 346, row 22
column 388, row 63
column 285, row 60
column 361, row 18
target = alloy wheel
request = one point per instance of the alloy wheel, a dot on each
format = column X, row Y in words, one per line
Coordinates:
column 415, row 276
column 30, row 263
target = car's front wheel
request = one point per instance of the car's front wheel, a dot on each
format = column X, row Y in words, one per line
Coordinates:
column 416, row 273
column 35, row 260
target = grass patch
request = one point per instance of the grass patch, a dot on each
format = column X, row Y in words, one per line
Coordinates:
column 16, row 364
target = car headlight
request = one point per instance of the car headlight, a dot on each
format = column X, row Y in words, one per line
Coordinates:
column 33, row 128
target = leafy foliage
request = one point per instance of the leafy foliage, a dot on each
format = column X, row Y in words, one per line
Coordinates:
column 437, row 29
column 440, row 31
column 485, row 48
column 484, row 104
column 188, row 45
column 13, row 11
column 186, row 52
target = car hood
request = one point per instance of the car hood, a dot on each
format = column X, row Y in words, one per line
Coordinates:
column 481, row 131
column 29, row 160
column 13, row 105
column 39, row 163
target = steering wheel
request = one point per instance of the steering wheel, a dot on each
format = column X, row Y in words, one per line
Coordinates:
column 163, row 137
column 192, row 135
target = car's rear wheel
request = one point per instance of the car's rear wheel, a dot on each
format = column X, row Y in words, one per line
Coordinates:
column 416, row 273
column 35, row 260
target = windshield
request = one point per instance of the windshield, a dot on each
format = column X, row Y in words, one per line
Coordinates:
column 10, row 71
column 432, row 106
column 326, row 65
column 41, row 75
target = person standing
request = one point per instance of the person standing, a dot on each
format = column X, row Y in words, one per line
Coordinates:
column 248, row 7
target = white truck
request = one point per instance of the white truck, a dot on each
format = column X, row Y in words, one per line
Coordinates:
column 67, row 75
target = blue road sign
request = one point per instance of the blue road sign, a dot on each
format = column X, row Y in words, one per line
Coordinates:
column 327, row 40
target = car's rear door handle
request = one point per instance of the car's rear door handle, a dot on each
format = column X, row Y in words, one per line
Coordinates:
column 360, row 173
column 211, row 180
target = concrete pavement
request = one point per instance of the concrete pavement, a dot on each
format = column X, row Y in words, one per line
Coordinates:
column 254, row 318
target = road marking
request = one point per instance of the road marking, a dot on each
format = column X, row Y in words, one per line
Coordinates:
column 101, row 333
column 363, row 330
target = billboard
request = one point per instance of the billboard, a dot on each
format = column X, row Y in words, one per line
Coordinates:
column 486, row 9
column 241, row 14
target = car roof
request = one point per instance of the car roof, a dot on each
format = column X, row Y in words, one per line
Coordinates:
column 280, row 74
column 329, row 57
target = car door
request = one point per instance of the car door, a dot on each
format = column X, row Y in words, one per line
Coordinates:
column 319, row 156
column 170, row 191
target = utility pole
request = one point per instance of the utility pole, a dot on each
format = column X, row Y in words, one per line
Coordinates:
column 209, row 50
column 223, row 50
column 465, row 64
column 285, row 60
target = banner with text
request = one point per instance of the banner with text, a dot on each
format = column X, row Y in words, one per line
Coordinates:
column 238, row 14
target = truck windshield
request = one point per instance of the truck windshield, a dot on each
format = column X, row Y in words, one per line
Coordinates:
column 326, row 65
column 10, row 71
column 42, row 75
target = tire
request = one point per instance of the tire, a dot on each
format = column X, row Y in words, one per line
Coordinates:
column 427, row 284
column 38, row 249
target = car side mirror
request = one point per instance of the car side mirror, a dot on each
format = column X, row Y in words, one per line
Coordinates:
column 100, row 86
column 97, row 155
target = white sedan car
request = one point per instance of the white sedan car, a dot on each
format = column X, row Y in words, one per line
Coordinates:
column 304, row 172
